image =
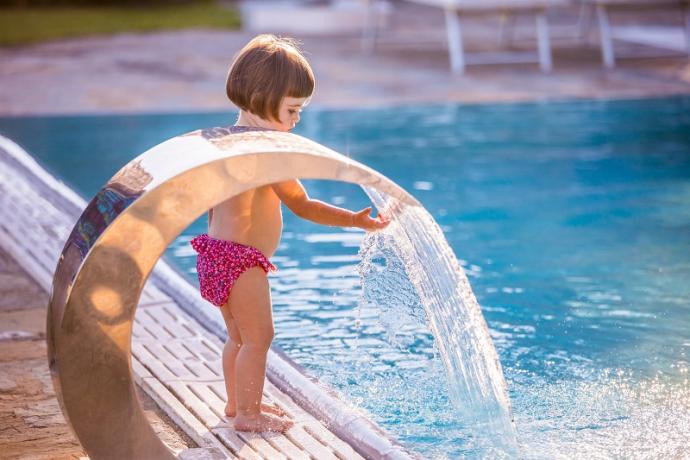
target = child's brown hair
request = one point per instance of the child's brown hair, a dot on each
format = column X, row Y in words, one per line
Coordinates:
column 265, row 71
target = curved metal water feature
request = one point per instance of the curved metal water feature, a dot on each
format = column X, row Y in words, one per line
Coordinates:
column 118, row 239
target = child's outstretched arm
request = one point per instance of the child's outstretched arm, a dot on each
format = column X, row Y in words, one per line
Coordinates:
column 295, row 197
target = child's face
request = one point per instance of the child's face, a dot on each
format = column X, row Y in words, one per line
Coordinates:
column 290, row 108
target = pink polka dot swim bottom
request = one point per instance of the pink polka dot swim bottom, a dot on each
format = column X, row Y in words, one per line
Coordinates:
column 220, row 263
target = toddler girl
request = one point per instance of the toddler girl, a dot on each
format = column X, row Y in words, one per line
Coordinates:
column 270, row 81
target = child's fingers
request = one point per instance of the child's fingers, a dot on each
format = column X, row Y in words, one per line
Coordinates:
column 373, row 223
column 377, row 224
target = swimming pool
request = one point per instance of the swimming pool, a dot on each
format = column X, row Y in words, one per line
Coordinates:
column 571, row 219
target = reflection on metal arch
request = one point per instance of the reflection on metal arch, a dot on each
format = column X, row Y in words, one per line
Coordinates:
column 118, row 239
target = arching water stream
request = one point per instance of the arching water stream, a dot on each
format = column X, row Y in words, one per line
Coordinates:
column 410, row 272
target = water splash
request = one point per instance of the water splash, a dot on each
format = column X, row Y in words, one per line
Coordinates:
column 610, row 413
column 412, row 274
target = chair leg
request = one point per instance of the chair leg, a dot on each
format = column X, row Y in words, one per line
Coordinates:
column 605, row 36
column 506, row 29
column 584, row 22
column 544, row 45
column 369, row 31
column 455, row 48
column 686, row 8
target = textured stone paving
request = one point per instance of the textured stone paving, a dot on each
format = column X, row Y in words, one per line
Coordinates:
column 31, row 422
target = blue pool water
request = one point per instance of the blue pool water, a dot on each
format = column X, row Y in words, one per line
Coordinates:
column 572, row 221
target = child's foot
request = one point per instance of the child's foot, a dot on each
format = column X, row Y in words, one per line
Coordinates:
column 261, row 422
column 265, row 408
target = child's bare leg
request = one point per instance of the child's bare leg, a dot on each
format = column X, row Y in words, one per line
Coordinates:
column 250, row 307
column 230, row 350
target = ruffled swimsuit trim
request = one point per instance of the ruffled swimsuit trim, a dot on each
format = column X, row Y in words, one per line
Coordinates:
column 220, row 263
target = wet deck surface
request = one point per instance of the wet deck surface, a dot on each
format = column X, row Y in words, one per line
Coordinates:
column 176, row 362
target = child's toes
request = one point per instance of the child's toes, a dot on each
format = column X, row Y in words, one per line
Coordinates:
column 273, row 409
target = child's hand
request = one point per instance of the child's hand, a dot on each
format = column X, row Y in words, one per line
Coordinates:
column 363, row 220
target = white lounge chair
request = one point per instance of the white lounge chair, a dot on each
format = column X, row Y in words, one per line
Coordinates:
column 455, row 9
column 657, row 37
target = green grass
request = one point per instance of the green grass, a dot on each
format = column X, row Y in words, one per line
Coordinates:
column 19, row 26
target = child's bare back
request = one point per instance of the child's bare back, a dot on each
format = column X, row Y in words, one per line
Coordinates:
column 252, row 218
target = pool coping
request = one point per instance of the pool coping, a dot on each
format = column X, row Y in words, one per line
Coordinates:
column 351, row 425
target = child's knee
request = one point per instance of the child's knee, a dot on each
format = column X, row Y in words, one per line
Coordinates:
column 233, row 343
column 260, row 341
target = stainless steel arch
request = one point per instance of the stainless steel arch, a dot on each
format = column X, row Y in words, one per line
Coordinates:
column 118, row 239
